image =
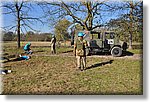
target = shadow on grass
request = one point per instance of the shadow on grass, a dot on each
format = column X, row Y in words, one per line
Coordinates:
column 4, row 58
column 67, row 51
column 127, row 53
column 5, row 54
column 99, row 64
column 100, row 53
column 7, row 58
column 39, row 51
column 14, row 60
column 124, row 53
column 6, row 66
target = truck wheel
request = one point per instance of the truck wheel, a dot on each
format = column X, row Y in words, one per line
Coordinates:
column 116, row 51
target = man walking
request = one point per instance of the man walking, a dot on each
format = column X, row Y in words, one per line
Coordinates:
column 79, row 51
column 53, row 44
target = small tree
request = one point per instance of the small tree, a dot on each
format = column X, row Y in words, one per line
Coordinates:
column 61, row 29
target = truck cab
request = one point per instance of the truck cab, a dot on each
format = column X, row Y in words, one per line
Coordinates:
column 107, row 41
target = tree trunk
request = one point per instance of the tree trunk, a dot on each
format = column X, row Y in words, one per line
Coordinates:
column 18, row 25
column 131, row 25
column 18, row 32
column 130, row 40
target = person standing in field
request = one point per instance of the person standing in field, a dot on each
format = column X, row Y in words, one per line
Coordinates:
column 80, row 51
column 53, row 45
column 27, row 48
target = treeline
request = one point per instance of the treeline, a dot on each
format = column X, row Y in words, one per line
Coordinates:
column 29, row 36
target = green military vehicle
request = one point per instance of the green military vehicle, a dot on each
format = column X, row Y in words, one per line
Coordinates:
column 100, row 41
column 107, row 41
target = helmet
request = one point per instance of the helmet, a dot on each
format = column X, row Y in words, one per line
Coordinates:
column 80, row 34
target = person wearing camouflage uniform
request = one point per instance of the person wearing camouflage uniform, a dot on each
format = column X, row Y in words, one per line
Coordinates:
column 79, row 51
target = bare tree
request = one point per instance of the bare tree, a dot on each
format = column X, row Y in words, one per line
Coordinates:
column 20, row 10
column 87, row 13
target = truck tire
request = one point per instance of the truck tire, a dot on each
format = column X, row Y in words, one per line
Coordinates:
column 116, row 51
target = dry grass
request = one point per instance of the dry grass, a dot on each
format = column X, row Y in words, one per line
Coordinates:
column 58, row 75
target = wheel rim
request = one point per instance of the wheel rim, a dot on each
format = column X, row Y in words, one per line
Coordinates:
column 116, row 51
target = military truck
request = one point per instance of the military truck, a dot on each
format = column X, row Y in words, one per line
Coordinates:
column 106, row 41
column 100, row 41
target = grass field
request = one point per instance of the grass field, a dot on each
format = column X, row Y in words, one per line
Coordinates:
column 58, row 74
column 135, row 51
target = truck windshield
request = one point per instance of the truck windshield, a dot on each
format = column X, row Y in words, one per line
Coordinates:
column 109, row 35
column 96, row 36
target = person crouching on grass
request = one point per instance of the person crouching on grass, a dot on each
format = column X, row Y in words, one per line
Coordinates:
column 80, row 51
column 27, row 48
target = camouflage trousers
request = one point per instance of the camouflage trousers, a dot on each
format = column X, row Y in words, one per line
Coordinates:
column 81, row 62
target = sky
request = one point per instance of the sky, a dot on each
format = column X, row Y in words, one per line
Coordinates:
column 9, row 20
